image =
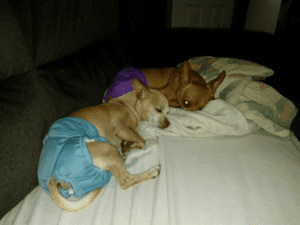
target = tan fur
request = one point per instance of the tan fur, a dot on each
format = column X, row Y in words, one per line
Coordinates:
column 116, row 121
column 183, row 86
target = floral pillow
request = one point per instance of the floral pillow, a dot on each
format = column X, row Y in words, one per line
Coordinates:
column 210, row 67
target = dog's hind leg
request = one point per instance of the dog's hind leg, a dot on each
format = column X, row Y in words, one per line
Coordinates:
column 107, row 158
column 127, row 180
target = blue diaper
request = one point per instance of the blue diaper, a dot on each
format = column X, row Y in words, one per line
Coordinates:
column 66, row 157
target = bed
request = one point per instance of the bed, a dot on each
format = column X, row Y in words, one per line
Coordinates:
column 236, row 161
column 223, row 179
column 233, row 162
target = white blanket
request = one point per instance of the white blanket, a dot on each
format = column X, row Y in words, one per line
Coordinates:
column 217, row 118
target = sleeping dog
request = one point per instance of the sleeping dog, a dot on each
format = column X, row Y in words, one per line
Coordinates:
column 80, row 152
column 183, row 86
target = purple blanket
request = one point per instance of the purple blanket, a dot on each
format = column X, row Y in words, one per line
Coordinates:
column 123, row 82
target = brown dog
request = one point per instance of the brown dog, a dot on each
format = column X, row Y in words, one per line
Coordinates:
column 183, row 86
column 116, row 121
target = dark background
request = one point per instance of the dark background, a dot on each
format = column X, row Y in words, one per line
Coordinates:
column 154, row 16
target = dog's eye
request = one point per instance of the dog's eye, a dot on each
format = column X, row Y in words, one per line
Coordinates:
column 186, row 103
column 158, row 110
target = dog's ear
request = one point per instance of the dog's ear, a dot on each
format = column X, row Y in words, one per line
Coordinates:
column 140, row 88
column 213, row 85
column 185, row 73
column 137, row 85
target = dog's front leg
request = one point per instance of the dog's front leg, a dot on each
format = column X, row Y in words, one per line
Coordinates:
column 174, row 103
column 130, row 135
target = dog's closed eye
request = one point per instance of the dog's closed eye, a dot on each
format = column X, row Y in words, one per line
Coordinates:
column 158, row 110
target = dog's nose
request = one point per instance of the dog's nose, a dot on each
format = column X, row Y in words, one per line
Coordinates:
column 165, row 124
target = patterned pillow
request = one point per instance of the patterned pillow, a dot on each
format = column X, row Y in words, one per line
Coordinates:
column 210, row 67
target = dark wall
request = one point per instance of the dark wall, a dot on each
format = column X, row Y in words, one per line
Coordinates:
column 142, row 14
column 156, row 14
column 288, row 25
column 239, row 14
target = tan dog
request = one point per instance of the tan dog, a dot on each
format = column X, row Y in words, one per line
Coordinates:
column 117, row 121
column 183, row 86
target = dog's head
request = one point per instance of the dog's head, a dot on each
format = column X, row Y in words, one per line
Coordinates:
column 152, row 105
column 195, row 93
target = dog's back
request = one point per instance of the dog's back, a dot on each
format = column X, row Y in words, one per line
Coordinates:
column 159, row 78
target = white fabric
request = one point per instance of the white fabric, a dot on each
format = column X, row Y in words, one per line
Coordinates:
column 223, row 179
column 218, row 117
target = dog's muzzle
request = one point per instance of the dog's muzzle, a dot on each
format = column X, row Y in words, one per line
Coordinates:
column 165, row 124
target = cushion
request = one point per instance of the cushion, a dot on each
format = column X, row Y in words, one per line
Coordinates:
column 210, row 68
column 34, row 32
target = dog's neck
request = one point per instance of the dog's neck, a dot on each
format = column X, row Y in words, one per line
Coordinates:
column 130, row 100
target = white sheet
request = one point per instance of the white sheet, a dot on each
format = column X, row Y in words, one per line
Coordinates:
column 224, row 179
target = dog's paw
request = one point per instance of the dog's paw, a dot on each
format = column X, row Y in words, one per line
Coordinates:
column 123, row 143
column 124, row 155
column 139, row 145
column 126, row 146
column 155, row 170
